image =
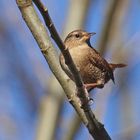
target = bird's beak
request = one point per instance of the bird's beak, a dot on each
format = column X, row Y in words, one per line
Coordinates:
column 91, row 34
column 88, row 35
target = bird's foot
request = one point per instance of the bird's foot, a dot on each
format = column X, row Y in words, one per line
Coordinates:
column 91, row 101
column 98, row 84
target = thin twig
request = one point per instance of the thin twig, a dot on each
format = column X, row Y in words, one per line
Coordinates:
column 80, row 19
column 93, row 125
column 95, row 128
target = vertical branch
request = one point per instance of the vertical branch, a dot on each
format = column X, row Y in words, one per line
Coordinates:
column 107, row 24
column 112, row 36
column 73, row 126
column 77, row 12
column 50, row 109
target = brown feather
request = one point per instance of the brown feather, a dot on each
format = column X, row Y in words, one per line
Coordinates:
column 114, row 66
column 94, row 69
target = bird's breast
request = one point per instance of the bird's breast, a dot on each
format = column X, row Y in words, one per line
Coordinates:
column 90, row 73
column 79, row 55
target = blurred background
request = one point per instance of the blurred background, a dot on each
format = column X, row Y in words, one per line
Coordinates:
column 32, row 104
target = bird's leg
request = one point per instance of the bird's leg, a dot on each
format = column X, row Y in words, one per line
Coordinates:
column 91, row 85
column 98, row 84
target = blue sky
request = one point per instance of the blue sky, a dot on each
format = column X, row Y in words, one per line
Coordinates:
column 21, row 59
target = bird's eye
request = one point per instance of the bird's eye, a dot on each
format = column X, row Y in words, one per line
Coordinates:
column 77, row 35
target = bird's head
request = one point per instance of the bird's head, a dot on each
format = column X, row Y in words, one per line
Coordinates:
column 78, row 37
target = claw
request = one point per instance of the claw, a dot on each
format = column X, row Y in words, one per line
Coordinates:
column 91, row 101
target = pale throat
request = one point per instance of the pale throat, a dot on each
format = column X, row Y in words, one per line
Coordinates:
column 77, row 51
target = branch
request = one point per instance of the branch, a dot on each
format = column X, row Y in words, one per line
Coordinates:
column 106, row 26
column 47, row 122
column 95, row 128
column 73, row 127
column 51, row 56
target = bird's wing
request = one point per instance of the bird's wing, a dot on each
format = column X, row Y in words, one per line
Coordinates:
column 98, row 61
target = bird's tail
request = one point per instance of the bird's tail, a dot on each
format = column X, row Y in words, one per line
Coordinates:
column 114, row 66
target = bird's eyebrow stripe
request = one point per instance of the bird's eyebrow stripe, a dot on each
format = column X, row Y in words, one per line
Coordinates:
column 70, row 35
column 74, row 34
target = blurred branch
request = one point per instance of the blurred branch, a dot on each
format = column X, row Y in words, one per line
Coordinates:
column 9, row 49
column 95, row 128
column 73, row 126
column 112, row 37
column 116, row 31
column 50, row 109
column 110, row 19
column 129, row 134
column 107, row 25
column 77, row 12
column 116, row 43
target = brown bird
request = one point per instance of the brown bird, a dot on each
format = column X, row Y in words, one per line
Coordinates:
column 94, row 69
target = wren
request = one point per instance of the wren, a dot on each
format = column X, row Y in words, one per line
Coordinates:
column 94, row 69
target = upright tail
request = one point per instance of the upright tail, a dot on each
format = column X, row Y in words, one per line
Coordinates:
column 114, row 66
